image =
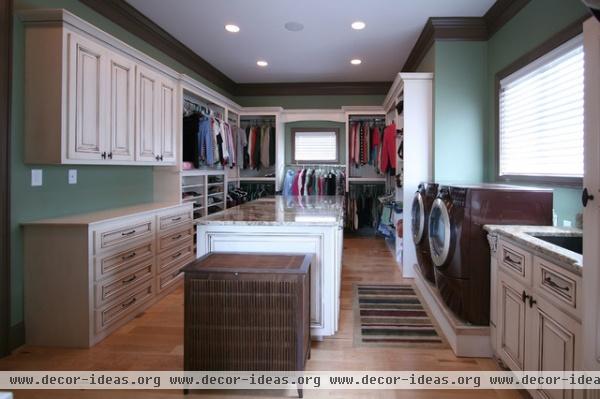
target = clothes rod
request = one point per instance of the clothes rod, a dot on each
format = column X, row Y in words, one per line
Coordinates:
column 326, row 165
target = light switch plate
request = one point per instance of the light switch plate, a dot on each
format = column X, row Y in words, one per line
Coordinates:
column 567, row 223
column 36, row 177
column 72, row 176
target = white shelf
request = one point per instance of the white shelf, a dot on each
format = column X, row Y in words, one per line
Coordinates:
column 214, row 194
column 194, row 198
column 216, row 204
column 366, row 179
column 191, row 186
column 202, row 172
column 220, row 183
column 266, row 179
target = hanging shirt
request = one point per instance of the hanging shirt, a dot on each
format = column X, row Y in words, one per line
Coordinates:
column 265, row 147
column 388, row 150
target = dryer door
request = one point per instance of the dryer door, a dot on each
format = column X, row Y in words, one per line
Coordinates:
column 439, row 232
column 418, row 218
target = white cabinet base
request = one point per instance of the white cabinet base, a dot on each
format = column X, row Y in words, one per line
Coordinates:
column 465, row 340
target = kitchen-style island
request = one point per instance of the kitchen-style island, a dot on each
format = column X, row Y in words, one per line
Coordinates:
column 309, row 224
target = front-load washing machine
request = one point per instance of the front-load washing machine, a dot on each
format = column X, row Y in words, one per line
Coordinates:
column 458, row 244
column 421, row 206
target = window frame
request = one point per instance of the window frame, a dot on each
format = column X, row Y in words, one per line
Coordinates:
column 551, row 44
column 335, row 130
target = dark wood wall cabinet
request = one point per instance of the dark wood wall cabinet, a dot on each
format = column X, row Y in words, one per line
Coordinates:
column 247, row 312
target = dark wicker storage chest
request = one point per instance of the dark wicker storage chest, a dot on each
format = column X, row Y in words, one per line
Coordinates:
column 247, row 312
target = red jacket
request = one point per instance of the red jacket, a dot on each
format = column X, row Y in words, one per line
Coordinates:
column 388, row 150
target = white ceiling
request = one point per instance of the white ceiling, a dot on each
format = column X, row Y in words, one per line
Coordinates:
column 321, row 52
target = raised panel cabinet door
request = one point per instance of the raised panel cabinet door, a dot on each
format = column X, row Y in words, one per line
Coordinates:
column 168, row 122
column 511, row 322
column 147, row 115
column 86, row 99
column 552, row 345
column 121, row 112
column 591, row 181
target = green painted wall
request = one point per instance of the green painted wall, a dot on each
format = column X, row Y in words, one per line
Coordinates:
column 533, row 25
column 314, row 124
column 460, row 111
column 97, row 188
column 320, row 102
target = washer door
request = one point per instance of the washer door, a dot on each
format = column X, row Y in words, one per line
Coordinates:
column 439, row 232
column 418, row 218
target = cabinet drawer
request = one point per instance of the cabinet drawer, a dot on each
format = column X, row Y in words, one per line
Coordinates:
column 174, row 219
column 514, row 260
column 114, row 237
column 177, row 256
column 113, row 313
column 169, row 278
column 559, row 286
column 120, row 284
column 175, row 239
column 121, row 261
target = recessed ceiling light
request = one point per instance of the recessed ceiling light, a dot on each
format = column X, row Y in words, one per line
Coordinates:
column 262, row 63
column 356, row 61
column 358, row 25
column 232, row 28
column 294, row 26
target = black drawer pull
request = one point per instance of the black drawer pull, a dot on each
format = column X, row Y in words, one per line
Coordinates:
column 129, row 280
column 177, row 219
column 177, row 237
column 131, row 255
column 128, row 233
column 508, row 259
column 128, row 304
column 177, row 255
column 554, row 285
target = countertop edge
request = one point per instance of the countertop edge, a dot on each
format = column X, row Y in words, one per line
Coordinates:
column 564, row 258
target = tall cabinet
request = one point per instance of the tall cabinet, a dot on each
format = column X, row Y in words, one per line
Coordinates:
column 411, row 95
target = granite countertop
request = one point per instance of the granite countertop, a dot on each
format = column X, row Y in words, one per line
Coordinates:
column 570, row 260
column 282, row 211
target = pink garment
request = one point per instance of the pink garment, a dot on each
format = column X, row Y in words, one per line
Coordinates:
column 295, row 184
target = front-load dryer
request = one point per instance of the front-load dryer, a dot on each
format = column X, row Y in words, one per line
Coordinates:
column 421, row 206
column 459, row 249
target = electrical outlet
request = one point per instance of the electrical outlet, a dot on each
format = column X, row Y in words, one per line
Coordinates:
column 567, row 223
column 72, row 176
column 36, row 177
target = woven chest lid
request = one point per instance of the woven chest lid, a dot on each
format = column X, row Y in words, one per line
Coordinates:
column 250, row 263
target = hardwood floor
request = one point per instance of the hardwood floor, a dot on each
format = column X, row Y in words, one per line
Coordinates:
column 153, row 341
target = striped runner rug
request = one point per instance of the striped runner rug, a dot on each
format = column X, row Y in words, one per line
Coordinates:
column 392, row 315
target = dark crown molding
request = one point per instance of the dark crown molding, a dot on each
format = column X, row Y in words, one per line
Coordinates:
column 129, row 18
column 462, row 28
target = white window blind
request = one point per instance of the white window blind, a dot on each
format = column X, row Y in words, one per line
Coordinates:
column 541, row 116
column 315, row 146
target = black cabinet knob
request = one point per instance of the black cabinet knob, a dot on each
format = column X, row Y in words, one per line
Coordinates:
column 103, row 155
column 109, row 155
column 585, row 197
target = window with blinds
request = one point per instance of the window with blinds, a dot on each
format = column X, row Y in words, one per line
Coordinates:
column 541, row 116
column 315, row 145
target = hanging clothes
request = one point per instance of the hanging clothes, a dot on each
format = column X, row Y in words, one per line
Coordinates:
column 388, row 150
column 309, row 181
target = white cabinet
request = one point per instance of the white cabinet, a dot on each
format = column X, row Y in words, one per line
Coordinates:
column 86, row 108
column 537, row 315
column 93, row 273
column 147, row 89
column 90, row 99
column 121, row 108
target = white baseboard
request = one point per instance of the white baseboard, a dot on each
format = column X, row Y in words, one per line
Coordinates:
column 464, row 339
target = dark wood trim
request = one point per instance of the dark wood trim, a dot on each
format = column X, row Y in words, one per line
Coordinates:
column 316, row 129
column 129, row 18
column 462, row 28
column 312, row 88
column 454, row 28
column 501, row 12
column 6, row 36
column 553, row 42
